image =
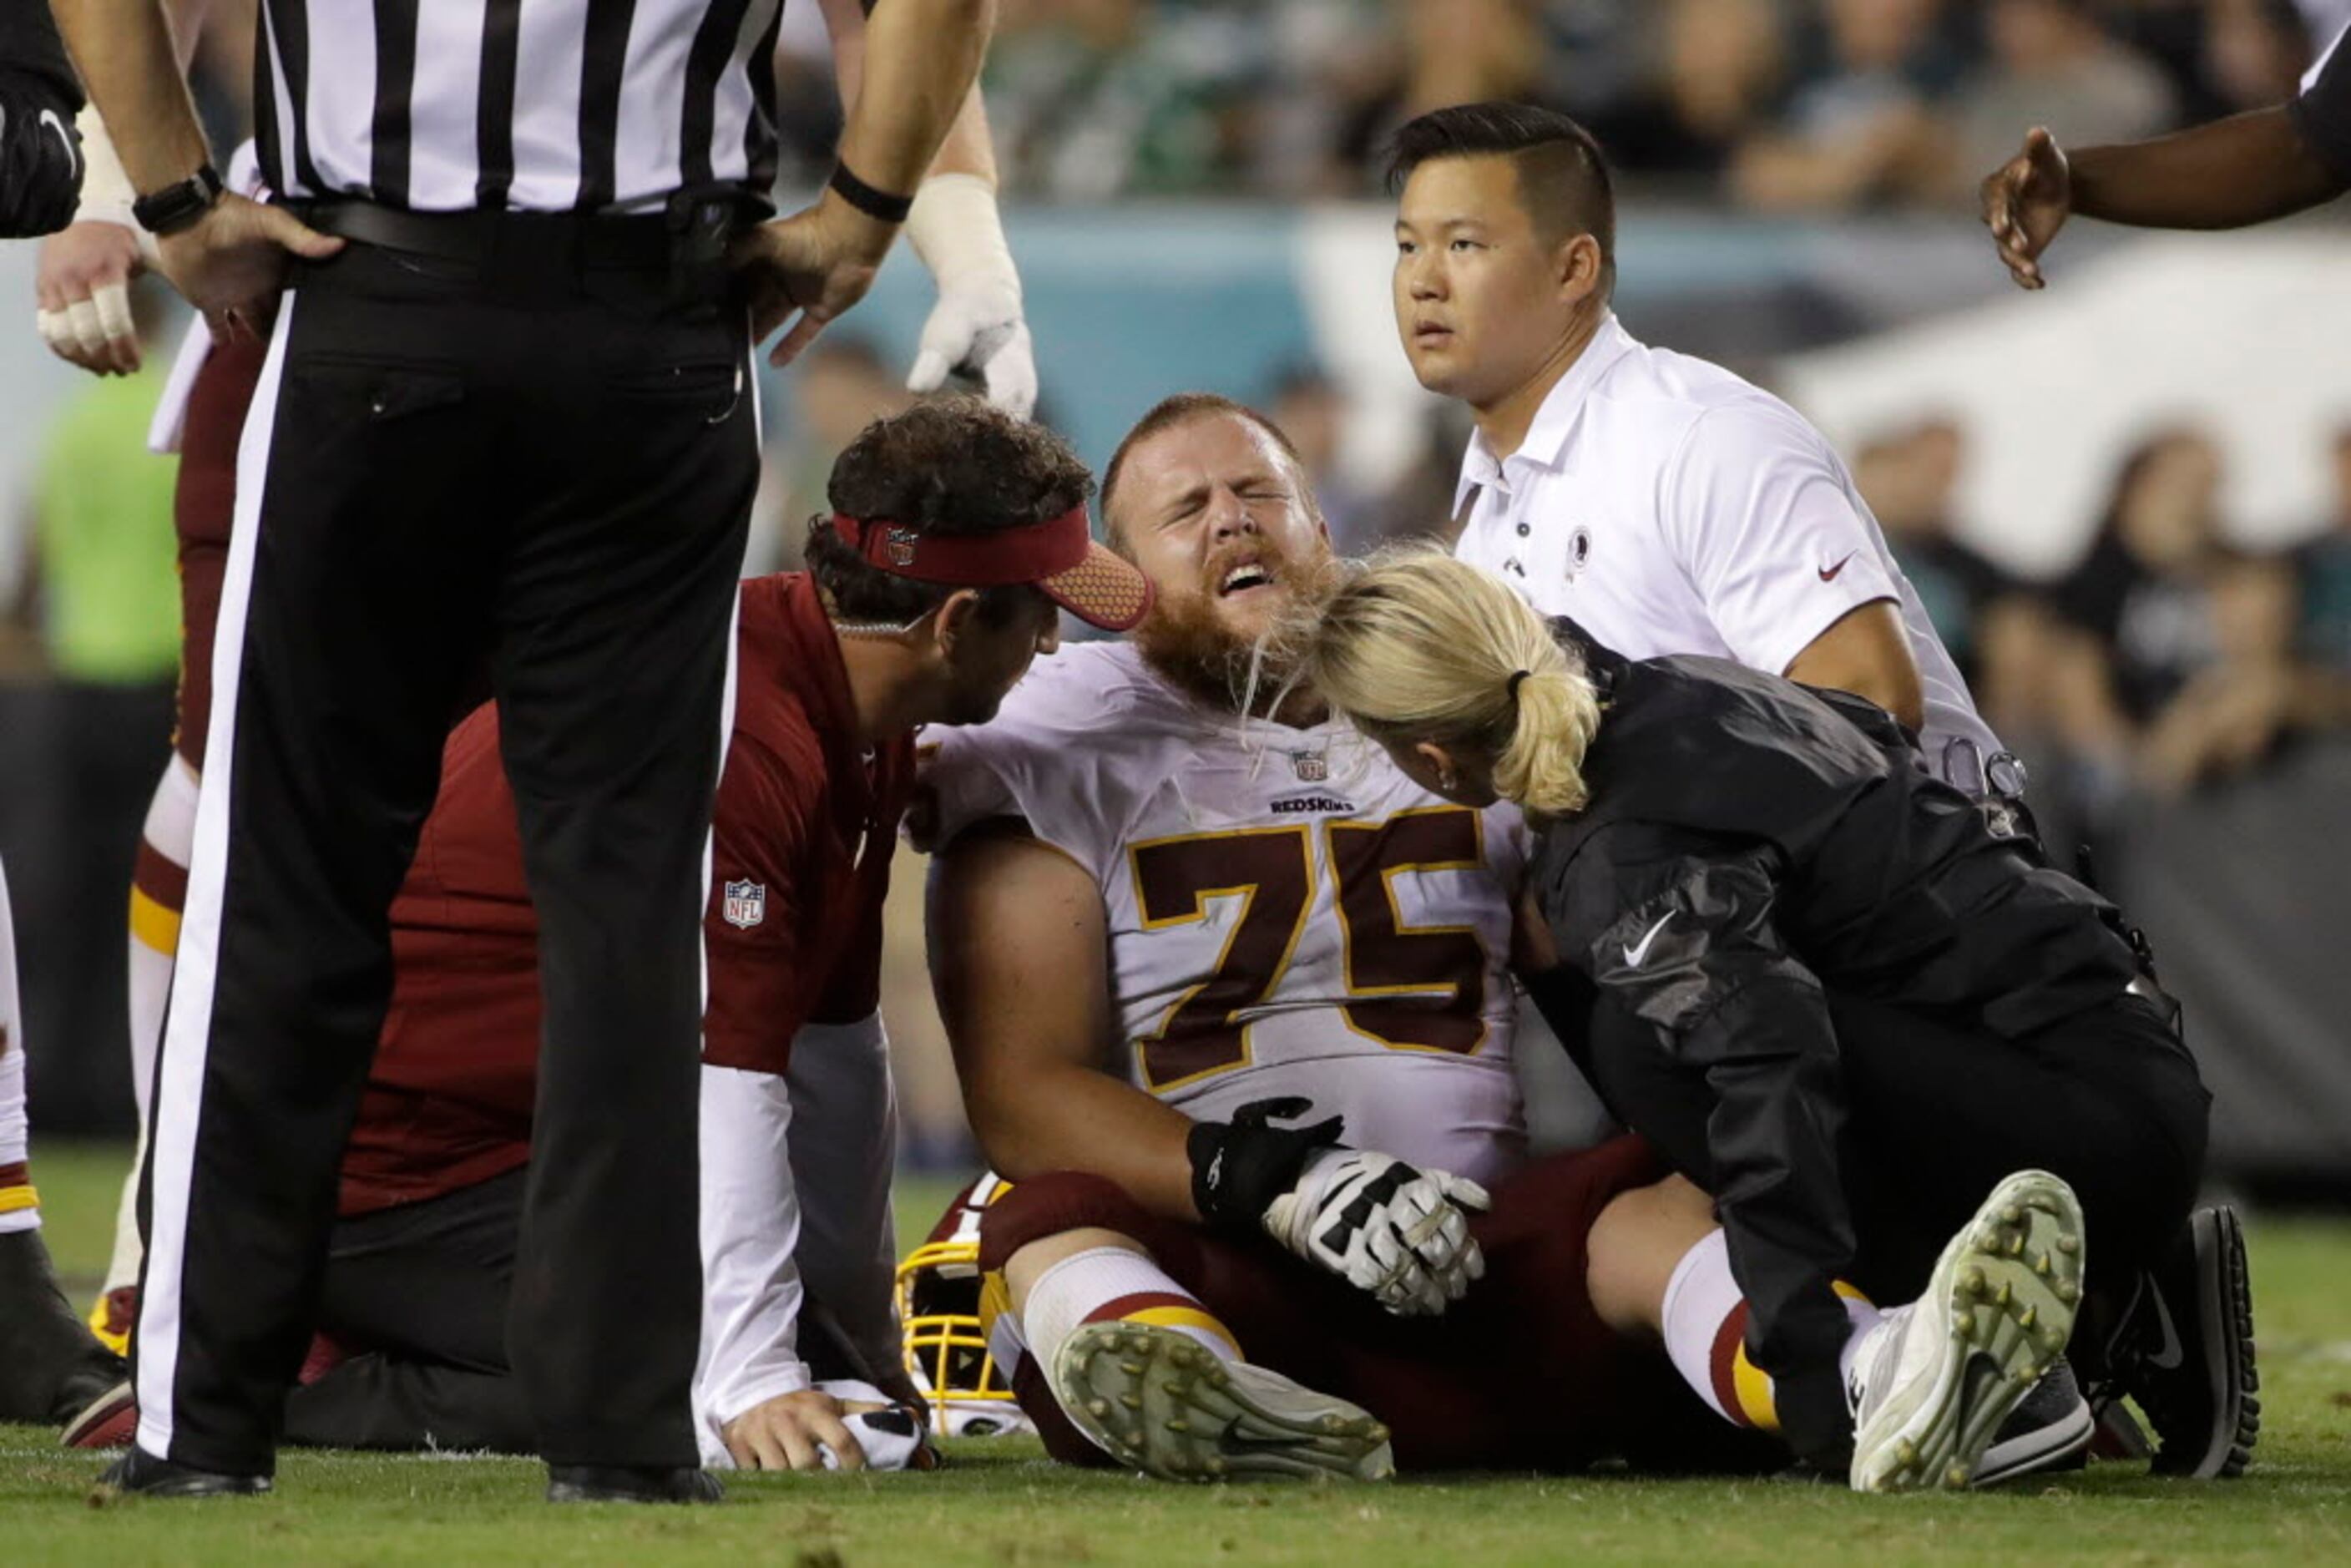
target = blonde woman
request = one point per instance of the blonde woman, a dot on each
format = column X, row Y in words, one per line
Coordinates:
column 1839, row 1003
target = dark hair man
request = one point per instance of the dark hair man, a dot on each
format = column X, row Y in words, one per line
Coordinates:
column 1660, row 499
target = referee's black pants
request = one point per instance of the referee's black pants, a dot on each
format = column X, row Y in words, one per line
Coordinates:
column 448, row 469
column 1936, row 1113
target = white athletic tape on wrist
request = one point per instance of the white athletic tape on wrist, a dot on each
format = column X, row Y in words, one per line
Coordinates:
column 106, row 193
column 955, row 229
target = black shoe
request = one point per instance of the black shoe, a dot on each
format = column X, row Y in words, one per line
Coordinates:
column 51, row 1366
column 143, row 1473
column 2048, row 1433
column 631, row 1483
column 2184, row 1353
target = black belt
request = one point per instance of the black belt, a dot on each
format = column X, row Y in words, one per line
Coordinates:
column 520, row 242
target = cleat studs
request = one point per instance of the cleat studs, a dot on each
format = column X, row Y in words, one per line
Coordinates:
column 1378, row 1434
column 2006, row 1294
column 1097, row 1406
column 1172, row 1386
column 1132, row 1401
column 1957, row 1476
column 2069, row 1245
column 2054, row 1340
column 2012, row 1214
column 2042, row 1266
column 1906, row 1452
column 1971, row 1283
column 2015, row 1248
column 1132, row 1368
column 2068, row 1292
column 1177, row 1424
column 2028, row 1317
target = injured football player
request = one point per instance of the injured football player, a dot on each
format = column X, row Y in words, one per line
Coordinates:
column 1231, row 1001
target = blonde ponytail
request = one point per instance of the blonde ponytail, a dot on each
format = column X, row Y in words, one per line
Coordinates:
column 1417, row 646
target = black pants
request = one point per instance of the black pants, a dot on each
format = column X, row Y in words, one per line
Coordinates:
column 1936, row 1114
column 549, row 477
column 419, row 1294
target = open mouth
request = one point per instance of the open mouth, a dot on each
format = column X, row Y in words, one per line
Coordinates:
column 1242, row 578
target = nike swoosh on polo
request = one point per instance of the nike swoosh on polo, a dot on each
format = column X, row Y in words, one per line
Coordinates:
column 1633, row 955
column 73, row 160
column 1231, row 1440
column 1829, row 573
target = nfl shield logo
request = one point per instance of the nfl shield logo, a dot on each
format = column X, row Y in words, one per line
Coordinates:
column 898, row 544
column 1311, row 766
column 746, row 904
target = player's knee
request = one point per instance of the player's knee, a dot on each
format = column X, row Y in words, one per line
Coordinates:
column 1055, row 1205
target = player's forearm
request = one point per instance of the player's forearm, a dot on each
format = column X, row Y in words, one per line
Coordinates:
column 919, row 60
column 125, row 53
column 2243, row 170
column 1074, row 1118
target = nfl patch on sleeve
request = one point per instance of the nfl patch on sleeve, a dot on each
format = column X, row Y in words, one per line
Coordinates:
column 746, row 904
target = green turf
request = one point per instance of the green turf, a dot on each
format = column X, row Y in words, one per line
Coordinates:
column 1000, row 1503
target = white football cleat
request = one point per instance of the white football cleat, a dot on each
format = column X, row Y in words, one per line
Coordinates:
column 1164, row 1404
column 1932, row 1382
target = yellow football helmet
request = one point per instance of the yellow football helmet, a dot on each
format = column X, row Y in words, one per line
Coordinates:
column 947, row 1310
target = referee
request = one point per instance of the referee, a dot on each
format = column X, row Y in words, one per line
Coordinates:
column 2247, row 169
column 505, row 425
column 1663, row 502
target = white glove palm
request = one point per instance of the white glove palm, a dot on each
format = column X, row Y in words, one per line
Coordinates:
column 977, row 326
column 1386, row 1228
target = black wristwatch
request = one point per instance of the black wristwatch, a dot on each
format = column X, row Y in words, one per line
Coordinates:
column 176, row 207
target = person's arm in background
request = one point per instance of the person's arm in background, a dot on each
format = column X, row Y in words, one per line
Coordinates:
column 85, row 272
column 977, row 326
column 2229, row 715
column 231, row 262
column 920, row 59
column 40, row 158
column 2247, row 169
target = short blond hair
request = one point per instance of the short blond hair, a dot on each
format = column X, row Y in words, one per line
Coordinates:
column 1417, row 646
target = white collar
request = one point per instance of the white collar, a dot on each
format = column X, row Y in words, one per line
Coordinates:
column 1547, row 436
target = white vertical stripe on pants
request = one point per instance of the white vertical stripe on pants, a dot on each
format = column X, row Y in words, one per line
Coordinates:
column 179, row 1082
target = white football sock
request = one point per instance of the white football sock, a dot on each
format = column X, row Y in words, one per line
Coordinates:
column 19, row 1205
column 1114, row 1283
column 158, row 888
column 1706, row 1335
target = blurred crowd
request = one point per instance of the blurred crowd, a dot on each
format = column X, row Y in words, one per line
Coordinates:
column 1778, row 105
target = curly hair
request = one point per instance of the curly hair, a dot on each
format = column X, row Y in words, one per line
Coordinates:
column 953, row 466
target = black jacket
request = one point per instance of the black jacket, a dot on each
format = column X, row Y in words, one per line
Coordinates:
column 1750, row 841
column 40, row 151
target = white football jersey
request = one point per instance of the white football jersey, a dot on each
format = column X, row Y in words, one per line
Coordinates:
column 1288, row 914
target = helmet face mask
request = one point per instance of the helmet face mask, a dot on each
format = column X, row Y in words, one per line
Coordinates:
column 947, row 1312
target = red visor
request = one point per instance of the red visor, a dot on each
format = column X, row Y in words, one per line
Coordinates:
column 1056, row 555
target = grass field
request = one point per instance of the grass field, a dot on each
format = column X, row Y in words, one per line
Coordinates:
column 999, row 1502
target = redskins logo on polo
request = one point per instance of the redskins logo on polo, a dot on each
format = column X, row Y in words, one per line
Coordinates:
column 1578, row 550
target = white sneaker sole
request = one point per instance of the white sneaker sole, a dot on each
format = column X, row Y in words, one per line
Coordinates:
column 1163, row 1403
column 2000, row 1304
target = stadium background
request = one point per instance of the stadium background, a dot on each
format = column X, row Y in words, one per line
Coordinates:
column 1192, row 195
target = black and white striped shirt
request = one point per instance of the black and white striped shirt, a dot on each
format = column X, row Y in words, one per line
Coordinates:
column 445, row 105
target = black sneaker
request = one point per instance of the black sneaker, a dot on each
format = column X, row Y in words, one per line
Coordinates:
column 141, row 1473
column 51, row 1366
column 631, row 1483
column 2047, row 1434
column 2184, row 1353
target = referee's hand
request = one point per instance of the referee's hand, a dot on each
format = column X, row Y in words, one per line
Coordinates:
column 819, row 262
column 231, row 263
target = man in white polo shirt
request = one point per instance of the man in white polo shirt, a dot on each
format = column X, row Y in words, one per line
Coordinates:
column 1666, row 505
